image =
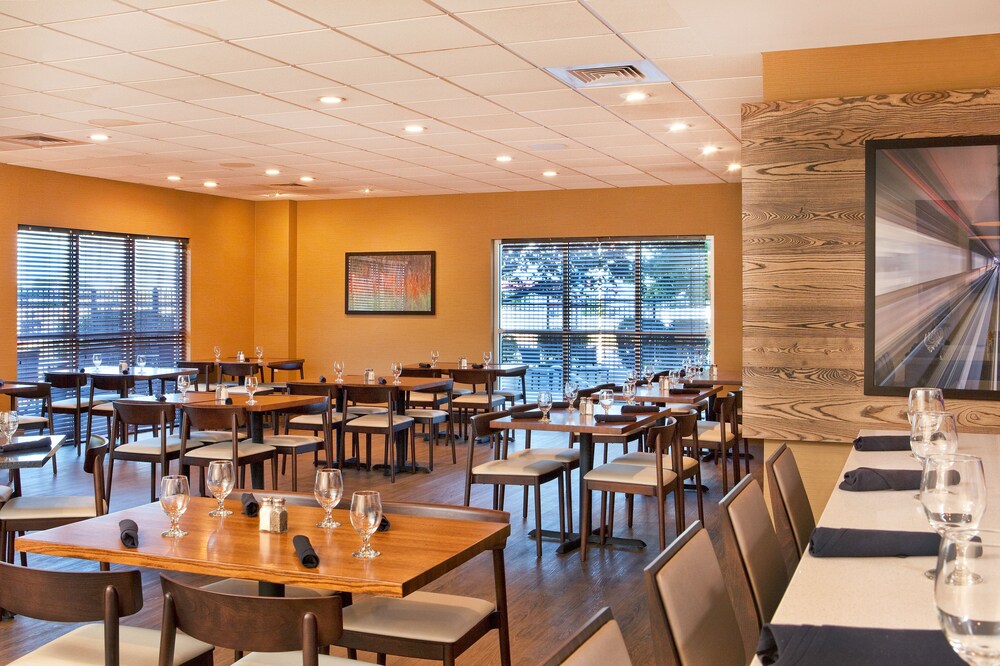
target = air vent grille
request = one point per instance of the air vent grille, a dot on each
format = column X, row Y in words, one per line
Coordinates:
column 39, row 141
column 609, row 74
column 288, row 186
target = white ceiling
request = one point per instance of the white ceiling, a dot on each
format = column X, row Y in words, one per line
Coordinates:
column 224, row 89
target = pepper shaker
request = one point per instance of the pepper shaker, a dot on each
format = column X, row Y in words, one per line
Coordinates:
column 279, row 517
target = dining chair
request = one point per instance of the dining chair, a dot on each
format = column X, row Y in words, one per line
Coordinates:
column 41, row 512
column 388, row 423
column 292, row 365
column 154, row 449
column 297, row 627
column 73, row 405
column 42, row 392
column 691, row 614
column 100, row 599
column 722, row 436
column 237, row 372
column 206, row 373
column 292, row 445
column 484, row 400
column 501, row 472
column 113, row 387
column 216, row 417
column 512, row 395
column 746, row 520
column 654, row 480
column 638, row 436
column 599, row 643
column 789, row 500
column 432, row 418
column 314, row 422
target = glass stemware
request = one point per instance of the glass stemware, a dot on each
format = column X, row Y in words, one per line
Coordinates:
column 140, row 361
column 628, row 392
column 970, row 614
column 606, row 398
column 647, row 373
column 183, row 384
column 545, row 404
column 924, row 399
column 397, row 370
column 366, row 514
column 174, row 497
column 338, row 367
column 487, row 358
column 217, row 350
column 259, row 351
column 328, row 489
column 953, row 494
column 570, row 391
column 435, row 355
column 8, row 425
column 97, row 361
column 251, row 385
column 220, row 479
column 933, row 433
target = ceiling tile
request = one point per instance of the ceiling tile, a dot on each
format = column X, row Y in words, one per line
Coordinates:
column 275, row 79
column 659, row 93
column 341, row 132
column 43, row 77
column 190, row 88
column 675, row 43
column 42, row 44
column 11, row 22
column 543, row 101
column 40, row 103
column 558, row 117
column 599, row 49
column 156, row 4
column 246, row 105
column 134, row 31
column 211, row 58
column 536, row 22
column 729, row 106
column 748, row 86
column 48, row 11
column 598, row 129
column 336, row 14
column 235, row 19
column 367, row 70
column 298, row 119
column 226, row 125
column 163, row 131
column 455, row 108
column 696, row 68
column 666, row 112
column 269, row 136
column 209, row 141
column 630, row 15
column 9, row 60
column 44, row 124
column 121, row 68
column 307, row 47
column 112, row 96
column 501, row 83
column 475, row 123
column 173, row 111
column 420, row 90
column 431, row 33
column 474, row 60
column 378, row 113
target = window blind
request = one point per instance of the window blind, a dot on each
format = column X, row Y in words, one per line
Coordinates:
column 596, row 310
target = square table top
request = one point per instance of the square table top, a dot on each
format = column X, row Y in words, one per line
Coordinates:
column 415, row 551
column 27, row 459
column 563, row 420
column 655, row 395
column 11, row 387
column 261, row 403
column 405, row 383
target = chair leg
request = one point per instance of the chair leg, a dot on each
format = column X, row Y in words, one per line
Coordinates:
column 569, row 498
column 629, row 506
column 538, row 518
column 562, row 512
column 611, row 516
column 451, row 440
column 152, row 482
column 701, row 507
column 661, row 514
column 274, row 472
column 524, row 513
column 295, row 472
column 604, row 510
column 584, row 512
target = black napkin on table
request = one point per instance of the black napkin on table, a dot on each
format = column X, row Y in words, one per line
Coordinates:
column 83, row 370
column 882, row 443
column 250, row 505
column 684, row 391
column 129, row 533
column 639, row 409
column 614, row 418
column 1, row 382
column 478, row 366
column 228, row 401
column 560, row 404
column 423, row 365
column 383, row 525
column 322, row 379
column 381, row 380
column 125, row 371
column 864, row 479
column 787, row 644
column 848, row 542
column 32, row 445
column 304, row 551
column 161, row 398
column 530, row 414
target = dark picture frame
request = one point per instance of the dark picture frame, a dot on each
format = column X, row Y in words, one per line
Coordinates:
column 390, row 283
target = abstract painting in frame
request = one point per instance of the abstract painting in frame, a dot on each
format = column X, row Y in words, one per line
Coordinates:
column 394, row 283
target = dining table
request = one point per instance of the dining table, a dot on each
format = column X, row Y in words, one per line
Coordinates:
column 496, row 370
column 684, row 397
column 15, row 461
column 879, row 592
column 585, row 427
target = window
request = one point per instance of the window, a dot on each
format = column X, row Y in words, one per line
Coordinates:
column 81, row 293
column 595, row 310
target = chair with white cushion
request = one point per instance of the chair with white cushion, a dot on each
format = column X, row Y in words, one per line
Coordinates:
column 213, row 416
column 469, row 404
column 599, row 643
column 293, row 445
column 153, row 449
column 100, row 599
column 112, row 388
column 722, row 436
column 387, row 423
column 74, row 405
column 291, row 365
column 314, row 422
column 423, row 408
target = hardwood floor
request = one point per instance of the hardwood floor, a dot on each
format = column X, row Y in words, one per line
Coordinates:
column 549, row 598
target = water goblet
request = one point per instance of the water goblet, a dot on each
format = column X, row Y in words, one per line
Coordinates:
column 924, row 399
column 220, row 479
column 953, row 494
column 435, row 355
column 338, row 367
column 970, row 614
column 397, row 370
column 366, row 514
column 8, row 425
column 606, row 398
column 545, row 404
column 183, row 384
column 174, row 497
column 647, row 373
column 628, row 392
column 487, row 358
column 328, row 489
column 251, row 385
column 570, row 391
column 933, row 433
column 217, row 350
column 97, row 361
column 259, row 351
column 140, row 361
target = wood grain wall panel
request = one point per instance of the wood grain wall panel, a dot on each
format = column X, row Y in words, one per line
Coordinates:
column 804, row 253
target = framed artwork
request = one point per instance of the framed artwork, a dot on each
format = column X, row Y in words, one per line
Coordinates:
column 396, row 283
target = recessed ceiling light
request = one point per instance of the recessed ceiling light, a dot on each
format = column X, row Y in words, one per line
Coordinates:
column 330, row 99
column 635, row 96
column 210, row 183
column 550, row 174
column 710, row 150
column 504, row 158
column 678, row 127
column 99, row 137
column 306, row 179
column 173, row 178
column 734, row 166
column 272, row 172
column 367, row 190
column 414, row 129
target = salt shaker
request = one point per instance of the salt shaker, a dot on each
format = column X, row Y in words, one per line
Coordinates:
column 279, row 517
column 122, row 366
column 713, row 371
column 266, row 514
column 240, row 357
column 369, row 375
column 463, row 363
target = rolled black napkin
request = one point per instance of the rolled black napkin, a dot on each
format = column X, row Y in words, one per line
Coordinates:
column 864, row 479
column 381, row 380
column 32, row 445
column 229, row 401
column 530, row 414
column 684, row 391
column 161, row 398
column 478, row 366
column 560, row 404
column 83, row 370
column 423, row 365
column 384, row 525
column 639, row 409
column 125, row 371
column 882, row 443
column 614, row 418
column 1, row 382
column 322, row 379
column 304, row 551
column 847, row 542
column 782, row 644
column 129, row 533
column 250, row 505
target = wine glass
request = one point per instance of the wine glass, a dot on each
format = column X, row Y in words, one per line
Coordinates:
column 953, row 494
column 647, row 373
column 970, row 614
column 328, row 489
column 174, row 497
column 545, row 404
column 397, row 370
column 251, row 385
column 924, row 399
column 140, row 361
column 97, row 362
column 933, row 433
column 260, row 353
column 628, row 392
column 338, row 367
column 183, row 384
column 217, row 350
column 366, row 514
column 487, row 358
column 220, row 479
column 606, row 398
column 8, row 425
column 570, row 391
column 435, row 355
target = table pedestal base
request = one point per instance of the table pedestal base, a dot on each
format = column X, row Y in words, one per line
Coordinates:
column 572, row 541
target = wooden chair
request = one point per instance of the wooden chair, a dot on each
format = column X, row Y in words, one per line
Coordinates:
column 690, row 610
column 293, row 445
column 206, row 372
column 34, row 512
column 114, row 387
column 237, row 372
column 314, row 422
column 425, row 408
column 722, row 436
column 291, row 365
column 478, row 401
column 99, row 597
column 388, row 423
column 745, row 518
column 607, row 440
column 789, row 500
column 251, row 624
column 73, row 405
column 599, row 643
column 654, row 480
column 500, row 472
column 42, row 392
column 154, row 449
column 214, row 417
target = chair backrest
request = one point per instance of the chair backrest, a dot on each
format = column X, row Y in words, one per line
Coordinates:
column 66, row 380
column 291, row 365
column 789, row 500
column 687, row 423
column 119, row 383
column 475, row 377
column 314, row 388
column 370, row 395
column 321, row 407
column 663, row 440
column 205, row 371
column 691, row 613
column 249, row 623
column 238, row 370
column 745, row 518
column 213, row 416
column 93, row 463
column 142, row 413
column 599, row 643
column 420, row 372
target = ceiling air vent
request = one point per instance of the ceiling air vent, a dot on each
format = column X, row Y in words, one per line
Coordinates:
column 609, row 74
column 291, row 186
column 39, row 141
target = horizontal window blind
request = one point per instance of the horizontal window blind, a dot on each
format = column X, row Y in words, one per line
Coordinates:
column 596, row 310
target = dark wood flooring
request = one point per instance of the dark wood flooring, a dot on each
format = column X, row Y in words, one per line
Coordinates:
column 550, row 598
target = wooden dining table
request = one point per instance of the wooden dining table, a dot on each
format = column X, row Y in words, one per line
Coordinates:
column 15, row 461
column 653, row 394
column 496, row 370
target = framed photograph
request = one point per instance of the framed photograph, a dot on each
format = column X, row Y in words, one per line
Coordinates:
column 395, row 283
column 932, row 266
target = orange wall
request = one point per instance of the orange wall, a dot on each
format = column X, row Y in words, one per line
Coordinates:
column 895, row 67
column 461, row 229
column 274, row 278
column 221, row 249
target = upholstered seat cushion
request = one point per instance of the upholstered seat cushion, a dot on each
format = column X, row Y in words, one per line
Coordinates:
column 292, row 441
column 511, row 395
column 378, row 421
column 477, row 400
column 428, row 415
column 365, row 409
column 278, row 387
column 250, row 588
column 289, row 659
column 199, row 437
column 605, row 647
column 70, row 404
column 225, row 451
column 644, row 475
column 315, row 421
column 28, row 421
column 5, row 493
column 48, row 506
column 565, row 456
column 641, row 458
column 103, row 409
column 527, row 467
column 85, row 645
column 441, row 618
column 148, row 446
column 711, row 431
